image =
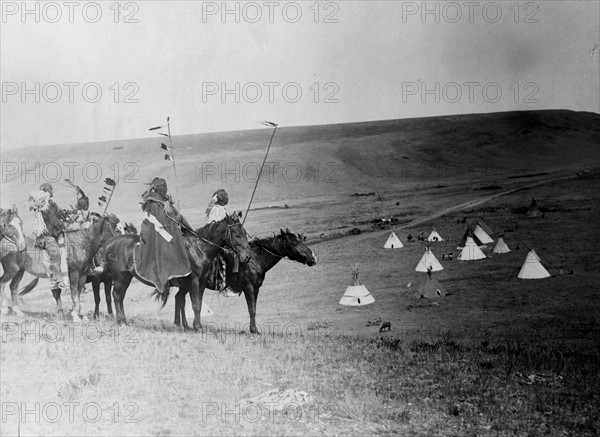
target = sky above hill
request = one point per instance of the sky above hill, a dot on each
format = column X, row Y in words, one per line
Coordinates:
column 80, row 71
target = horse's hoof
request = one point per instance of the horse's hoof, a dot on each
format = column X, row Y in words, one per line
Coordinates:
column 85, row 319
column 75, row 317
column 18, row 311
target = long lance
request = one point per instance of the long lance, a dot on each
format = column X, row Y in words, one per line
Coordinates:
column 174, row 166
column 267, row 123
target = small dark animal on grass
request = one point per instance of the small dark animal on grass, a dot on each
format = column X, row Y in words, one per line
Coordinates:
column 385, row 326
column 409, row 238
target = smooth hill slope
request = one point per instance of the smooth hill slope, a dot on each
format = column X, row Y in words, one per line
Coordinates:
column 314, row 164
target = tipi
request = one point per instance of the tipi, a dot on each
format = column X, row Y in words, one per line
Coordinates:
column 501, row 246
column 428, row 261
column 469, row 233
column 430, row 288
column 434, row 236
column 533, row 210
column 471, row 251
column 481, row 222
column 356, row 294
column 393, row 242
column 533, row 268
column 482, row 235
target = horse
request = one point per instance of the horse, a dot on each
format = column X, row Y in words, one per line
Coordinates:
column 266, row 253
column 11, row 229
column 104, row 277
column 203, row 245
column 82, row 245
column 11, row 232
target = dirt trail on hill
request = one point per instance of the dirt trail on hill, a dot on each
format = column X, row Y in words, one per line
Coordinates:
column 464, row 205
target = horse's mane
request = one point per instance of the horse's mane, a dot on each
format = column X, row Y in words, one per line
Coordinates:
column 207, row 230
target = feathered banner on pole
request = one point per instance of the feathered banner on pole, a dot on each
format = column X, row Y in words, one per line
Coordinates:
column 268, row 124
column 169, row 156
column 110, row 188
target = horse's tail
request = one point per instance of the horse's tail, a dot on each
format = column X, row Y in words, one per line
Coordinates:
column 164, row 296
column 29, row 287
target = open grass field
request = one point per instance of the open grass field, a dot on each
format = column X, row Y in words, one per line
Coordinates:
column 497, row 356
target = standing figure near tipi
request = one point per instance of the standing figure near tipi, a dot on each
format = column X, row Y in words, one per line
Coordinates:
column 49, row 231
column 162, row 252
column 215, row 212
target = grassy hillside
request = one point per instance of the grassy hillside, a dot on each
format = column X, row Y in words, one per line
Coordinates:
column 314, row 165
column 497, row 356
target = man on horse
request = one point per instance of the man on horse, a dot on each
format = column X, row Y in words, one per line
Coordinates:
column 49, row 229
column 162, row 253
column 79, row 217
column 215, row 212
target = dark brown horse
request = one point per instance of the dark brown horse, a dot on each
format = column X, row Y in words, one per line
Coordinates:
column 202, row 246
column 103, row 278
column 12, row 239
column 266, row 253
column 81, row 245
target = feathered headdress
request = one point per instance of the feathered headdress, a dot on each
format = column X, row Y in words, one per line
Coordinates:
column 39, row 201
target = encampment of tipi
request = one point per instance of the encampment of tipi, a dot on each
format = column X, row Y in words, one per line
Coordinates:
column 393, row 242
column 532, row 267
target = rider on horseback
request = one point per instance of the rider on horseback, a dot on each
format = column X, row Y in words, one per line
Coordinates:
column 215, row 212
column 49, row 228
column 79, row 217
column 162, row 253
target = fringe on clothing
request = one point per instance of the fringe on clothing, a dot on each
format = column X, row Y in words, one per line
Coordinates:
column 39, row 201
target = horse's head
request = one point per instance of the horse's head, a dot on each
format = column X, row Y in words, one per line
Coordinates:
column 130, row 228
column 295, row 248
column 236, row 238
column 12, row 227
column 110, row 226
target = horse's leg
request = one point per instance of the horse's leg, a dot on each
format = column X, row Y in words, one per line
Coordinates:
column 120, row 283
column 56, row 293
column 14, row 292
column 10, row 270
column 107, row 291
column 77, row 285
column 179, row 297
column 74, row 285
column 96, row 287
column 196, row 293
column 249, row 294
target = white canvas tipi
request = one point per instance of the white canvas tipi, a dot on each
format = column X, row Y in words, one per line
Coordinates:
column 434, row 236
column 428, row 261
column 471, row 251
column 533, row 268
column 482, row 235
column 430, row 288
column 356, row 294
column 393, row 242
column 501, row 246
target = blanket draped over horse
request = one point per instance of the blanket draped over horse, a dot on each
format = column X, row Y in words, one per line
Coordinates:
column 161, row 254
